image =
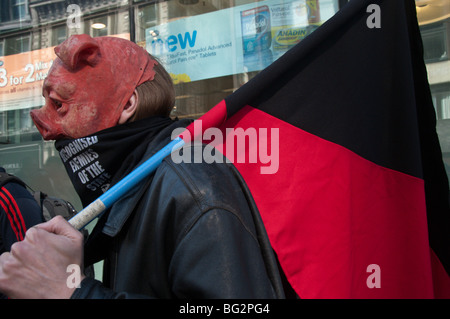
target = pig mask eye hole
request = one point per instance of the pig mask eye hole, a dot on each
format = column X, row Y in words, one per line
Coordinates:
column 57, row 103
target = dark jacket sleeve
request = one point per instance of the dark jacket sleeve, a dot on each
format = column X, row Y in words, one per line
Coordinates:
column 91, row 288
column 18, row 212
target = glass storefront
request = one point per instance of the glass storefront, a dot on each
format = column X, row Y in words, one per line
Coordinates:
column 434, row 21
column 210, row 48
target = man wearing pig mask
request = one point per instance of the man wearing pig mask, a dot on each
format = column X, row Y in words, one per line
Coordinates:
column 188, row 231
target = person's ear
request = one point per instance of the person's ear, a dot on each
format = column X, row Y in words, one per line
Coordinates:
column 129, row 109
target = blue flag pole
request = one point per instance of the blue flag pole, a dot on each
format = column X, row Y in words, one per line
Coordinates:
column 97, row 207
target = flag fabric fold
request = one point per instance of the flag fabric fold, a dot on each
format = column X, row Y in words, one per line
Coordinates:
column 354, row 196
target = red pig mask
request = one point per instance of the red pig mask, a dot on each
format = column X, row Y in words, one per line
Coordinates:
column 89, row 85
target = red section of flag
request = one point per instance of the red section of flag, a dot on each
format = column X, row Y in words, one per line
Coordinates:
column 333, row 217
column 441, row 281
column 214, row 118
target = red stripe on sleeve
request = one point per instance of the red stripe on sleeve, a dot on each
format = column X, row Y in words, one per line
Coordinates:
column 6, row 207
column 19, row 213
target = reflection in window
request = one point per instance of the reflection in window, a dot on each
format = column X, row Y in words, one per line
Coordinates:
column 253, row 33
column 19, row 9
column 59, row 34
column 441, row 101
column 435, row 43
column 445, row 105
column 101, row 26
column 2, row 127
column 26, row 124
column 13, row 10
column 16, row 45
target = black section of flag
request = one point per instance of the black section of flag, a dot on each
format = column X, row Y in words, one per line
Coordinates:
column 365, row 89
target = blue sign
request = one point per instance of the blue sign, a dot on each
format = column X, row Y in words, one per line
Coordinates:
column 234, row 40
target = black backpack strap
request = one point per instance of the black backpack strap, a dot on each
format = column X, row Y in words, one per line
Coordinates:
column 50, row 206
column 7, row 178
column 39, row 197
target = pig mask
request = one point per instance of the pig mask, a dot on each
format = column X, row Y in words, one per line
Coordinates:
column 89, row 85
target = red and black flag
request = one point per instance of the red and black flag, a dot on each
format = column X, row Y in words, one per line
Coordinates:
column 354, row 195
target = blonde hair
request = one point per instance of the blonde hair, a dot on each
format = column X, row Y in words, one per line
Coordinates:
column 155, row 97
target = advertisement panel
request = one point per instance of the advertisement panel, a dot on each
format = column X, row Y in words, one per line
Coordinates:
column 195, row 48
column 21, row 77
column 234, row 40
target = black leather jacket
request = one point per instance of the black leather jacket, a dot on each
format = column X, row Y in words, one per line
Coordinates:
column 190, row 231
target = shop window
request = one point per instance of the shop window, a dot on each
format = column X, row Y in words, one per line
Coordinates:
column 101, row 26
column 19, row 9
column 13, row 10
column 441, row 100
column 443, row 105
column 3, row 139
column 15, row 45
column 26, row 124
column 211, row 48
column 435, row 42
column 59, row 34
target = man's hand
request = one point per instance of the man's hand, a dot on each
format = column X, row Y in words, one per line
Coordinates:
column 37, row 266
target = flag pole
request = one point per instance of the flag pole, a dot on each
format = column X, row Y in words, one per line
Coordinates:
column 213, row 118
column 97, row 207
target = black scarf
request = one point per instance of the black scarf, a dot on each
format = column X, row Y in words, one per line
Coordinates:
column 96, row 162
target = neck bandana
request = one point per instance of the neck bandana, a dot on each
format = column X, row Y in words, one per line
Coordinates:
column 95, row 162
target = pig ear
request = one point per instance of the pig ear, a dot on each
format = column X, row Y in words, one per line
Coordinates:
column 78, row 49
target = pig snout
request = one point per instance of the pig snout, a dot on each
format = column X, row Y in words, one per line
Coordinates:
column 48, row 130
